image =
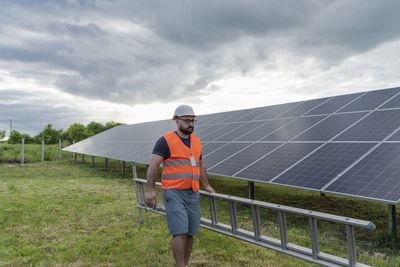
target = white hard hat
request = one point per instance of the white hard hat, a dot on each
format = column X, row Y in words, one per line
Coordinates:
column 183, row 110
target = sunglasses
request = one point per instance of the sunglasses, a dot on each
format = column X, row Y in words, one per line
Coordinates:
column 188, row 120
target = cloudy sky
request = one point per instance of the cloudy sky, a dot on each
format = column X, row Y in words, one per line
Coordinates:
column 131, row 61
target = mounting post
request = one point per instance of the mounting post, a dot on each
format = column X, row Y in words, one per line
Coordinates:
column 83, row 158
column 123, row 168
column 392, row 219
column 74, row 154
column 92, row 161
column 105, row 163
column 251, row 190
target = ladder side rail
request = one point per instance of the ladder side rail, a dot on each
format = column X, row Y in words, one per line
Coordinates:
column 287, row 209
column 299, row 211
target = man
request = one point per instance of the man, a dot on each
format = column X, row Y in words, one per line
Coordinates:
column 180, row 152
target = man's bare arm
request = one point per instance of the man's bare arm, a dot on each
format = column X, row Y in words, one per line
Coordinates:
column 204, row 178
column 151, row 195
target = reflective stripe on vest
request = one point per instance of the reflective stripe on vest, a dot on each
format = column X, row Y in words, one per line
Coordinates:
column 180, row 176
column 179, row 163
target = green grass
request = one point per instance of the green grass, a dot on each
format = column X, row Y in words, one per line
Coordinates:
column 32, row 153
column 67, row 214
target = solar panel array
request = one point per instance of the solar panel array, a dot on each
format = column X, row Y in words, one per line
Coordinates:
column 347, row 144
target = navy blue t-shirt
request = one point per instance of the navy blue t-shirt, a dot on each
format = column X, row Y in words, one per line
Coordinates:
column 161, row 147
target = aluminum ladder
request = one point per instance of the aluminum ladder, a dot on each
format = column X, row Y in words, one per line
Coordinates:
column 282, row 245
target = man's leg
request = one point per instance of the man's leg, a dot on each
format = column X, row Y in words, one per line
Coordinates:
column 178, row 244
column 188, row 249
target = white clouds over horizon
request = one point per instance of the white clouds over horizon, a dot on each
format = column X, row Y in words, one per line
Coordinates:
column 133, row 61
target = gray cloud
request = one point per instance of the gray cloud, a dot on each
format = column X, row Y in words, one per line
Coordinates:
column 183, row 47
column 134, row 52
column 31, row 112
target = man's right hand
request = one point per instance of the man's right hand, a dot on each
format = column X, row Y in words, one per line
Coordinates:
column 150, row 197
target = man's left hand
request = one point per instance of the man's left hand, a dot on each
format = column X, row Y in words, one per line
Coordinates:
column 209, row 189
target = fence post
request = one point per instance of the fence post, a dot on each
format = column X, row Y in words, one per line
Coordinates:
column 59, row 149
column 123, row 168
column 83, row 158
column 74, row 154
column 92, row 161
column 42, row 157
column 22, row 151
column 105, row 163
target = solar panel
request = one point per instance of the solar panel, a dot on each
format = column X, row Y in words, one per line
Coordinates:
column 317, row 144
column 203, row 130
column 374, row 127
column 276, row 111
column 223, row 116
column 393, row 103
column 235, row 115
column 376, row 176
column 303, row 108
column 212, row 158
column 330, row 127
column 254, row 114
column 333, row 104
column 239, row 131
column 277, row 161
column 322, row 166
column 210, row 147
column 370, row 100
column 242, row 159
column 221, row 130
column 395, row 137
column 293, row 128
column 264, row 129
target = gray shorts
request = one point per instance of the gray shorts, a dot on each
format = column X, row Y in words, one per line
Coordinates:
column 183, row 211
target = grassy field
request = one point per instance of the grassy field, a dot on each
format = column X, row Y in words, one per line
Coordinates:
column 32, row 153
column 67, row 214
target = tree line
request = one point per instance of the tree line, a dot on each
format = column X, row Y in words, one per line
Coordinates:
column 76, row 132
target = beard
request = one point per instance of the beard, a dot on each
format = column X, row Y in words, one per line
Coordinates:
column 187, row 130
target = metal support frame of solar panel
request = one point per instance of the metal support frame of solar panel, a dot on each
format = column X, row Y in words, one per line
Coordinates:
column 329, row 126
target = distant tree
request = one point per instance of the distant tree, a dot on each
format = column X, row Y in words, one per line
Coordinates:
column 94, row 128
column 28, row 139
column 49, row 135
column 64, row 135
column 2, row 134
column 112, row 124
column 15, row 137
column 77, row 132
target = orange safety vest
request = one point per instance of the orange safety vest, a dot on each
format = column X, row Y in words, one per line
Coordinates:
column 179, row 172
